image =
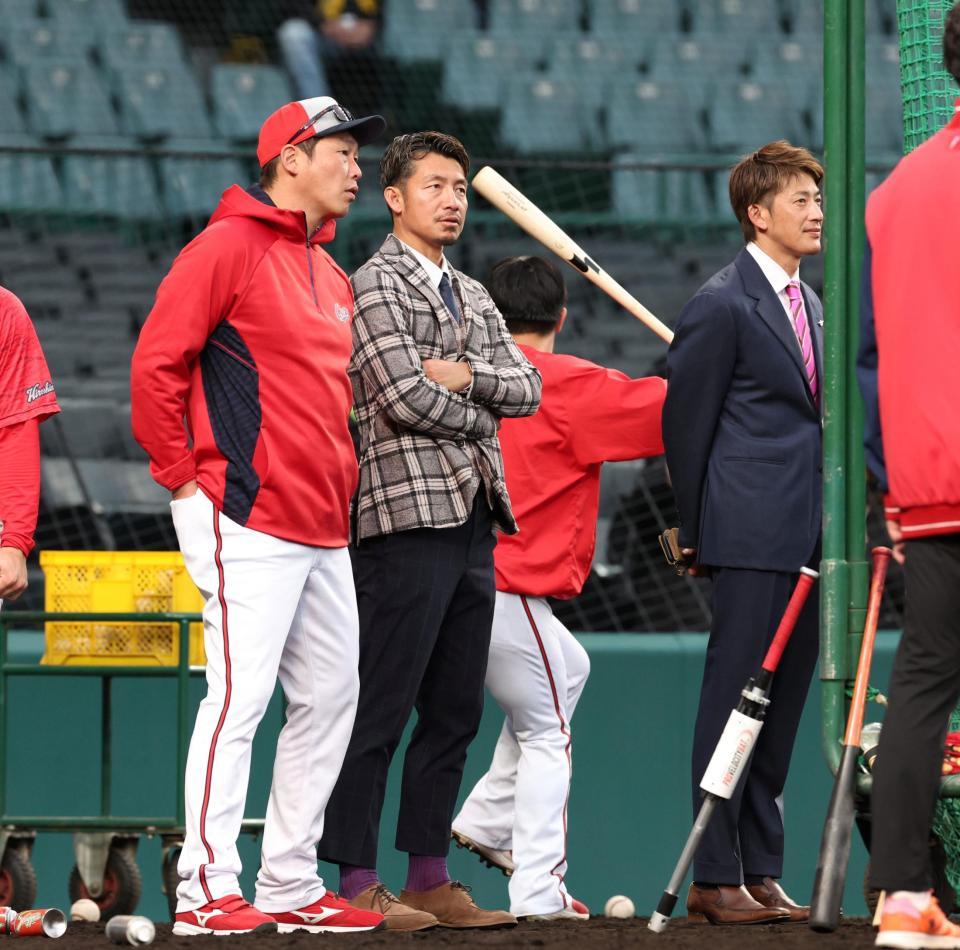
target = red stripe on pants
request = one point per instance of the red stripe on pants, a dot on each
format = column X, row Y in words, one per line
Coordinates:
column 226, row 705
column 563, row 728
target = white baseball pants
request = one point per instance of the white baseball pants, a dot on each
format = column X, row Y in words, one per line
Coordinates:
column 536, row 673
column 272, row 607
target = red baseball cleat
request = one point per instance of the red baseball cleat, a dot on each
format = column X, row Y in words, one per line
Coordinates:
column 224, row 916
column 330, row 914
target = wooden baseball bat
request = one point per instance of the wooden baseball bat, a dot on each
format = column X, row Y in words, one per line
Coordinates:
column 515, row 205
column 838, row 828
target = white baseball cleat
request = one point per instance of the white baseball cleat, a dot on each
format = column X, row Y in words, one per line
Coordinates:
column 491, row 857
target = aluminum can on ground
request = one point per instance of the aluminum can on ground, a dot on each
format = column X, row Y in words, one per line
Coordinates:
column 45, row 922
column 130, row 929
column 7, row 916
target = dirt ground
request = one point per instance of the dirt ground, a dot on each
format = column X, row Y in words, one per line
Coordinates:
column 568, row 935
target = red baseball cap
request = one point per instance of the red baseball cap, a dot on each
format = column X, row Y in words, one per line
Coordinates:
column 308, row 118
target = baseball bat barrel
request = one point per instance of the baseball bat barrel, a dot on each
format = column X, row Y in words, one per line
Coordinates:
column 520, row 209
column 835, row 844
column 788, row 621
column 661, row 916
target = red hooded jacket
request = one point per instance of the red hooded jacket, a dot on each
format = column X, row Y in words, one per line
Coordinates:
column 250, row 338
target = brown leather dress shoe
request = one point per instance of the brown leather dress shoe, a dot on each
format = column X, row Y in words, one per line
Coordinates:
column 453, row 906
column 729, row 905
column 397, row 916
column 771, row 894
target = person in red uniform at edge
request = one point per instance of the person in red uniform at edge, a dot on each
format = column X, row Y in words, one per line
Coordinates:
column 250, row 339
column 27, row 398
column 516, row 816
column 907, row 369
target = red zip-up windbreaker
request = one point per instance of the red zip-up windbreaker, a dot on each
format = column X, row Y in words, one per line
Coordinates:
column 250, row 338
column 911, row 302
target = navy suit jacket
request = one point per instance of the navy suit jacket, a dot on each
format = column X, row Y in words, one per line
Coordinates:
column 742, row 432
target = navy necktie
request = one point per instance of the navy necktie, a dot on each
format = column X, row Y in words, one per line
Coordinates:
column 446, row 292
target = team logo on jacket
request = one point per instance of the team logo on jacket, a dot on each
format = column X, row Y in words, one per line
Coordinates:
column 37, row 390
column 343, row 314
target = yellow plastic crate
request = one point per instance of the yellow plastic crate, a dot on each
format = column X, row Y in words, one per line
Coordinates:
column 121, row 582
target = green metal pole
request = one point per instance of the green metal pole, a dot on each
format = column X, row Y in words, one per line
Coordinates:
column 855, row 185
column 834, row 582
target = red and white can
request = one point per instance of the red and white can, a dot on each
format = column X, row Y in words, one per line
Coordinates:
column 7, row 916
column 46, row 922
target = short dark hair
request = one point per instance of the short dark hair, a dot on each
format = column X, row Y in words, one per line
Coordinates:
column 529, row 292
column 951, row 42
column 396, row 164
column 756, row 178
column 268, row 174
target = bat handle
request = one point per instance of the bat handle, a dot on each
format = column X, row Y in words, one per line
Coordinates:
column 791, row 615
column 881, row 561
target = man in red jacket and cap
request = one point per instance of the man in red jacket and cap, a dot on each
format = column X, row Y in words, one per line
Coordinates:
column 516, row 816
column 249, row 341
column 907, row 364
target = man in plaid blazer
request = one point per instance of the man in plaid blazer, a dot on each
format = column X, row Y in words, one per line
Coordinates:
column 433, row 370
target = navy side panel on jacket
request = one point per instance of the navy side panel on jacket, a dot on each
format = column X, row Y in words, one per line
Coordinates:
column 231, row 385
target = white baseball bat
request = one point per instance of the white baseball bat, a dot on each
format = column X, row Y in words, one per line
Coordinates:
column 515, row 205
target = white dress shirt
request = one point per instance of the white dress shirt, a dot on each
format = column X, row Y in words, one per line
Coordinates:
column 434, row 272
column 776, row 276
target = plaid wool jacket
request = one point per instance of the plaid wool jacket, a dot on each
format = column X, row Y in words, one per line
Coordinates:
column 425, row 451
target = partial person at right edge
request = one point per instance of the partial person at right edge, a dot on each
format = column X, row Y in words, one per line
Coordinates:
column 907, row 368
column 515, row 817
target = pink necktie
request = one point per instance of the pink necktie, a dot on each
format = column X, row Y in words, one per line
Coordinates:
column 803, row 335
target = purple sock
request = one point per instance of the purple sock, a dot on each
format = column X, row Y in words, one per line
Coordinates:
column 354, row 880
column 424, row 873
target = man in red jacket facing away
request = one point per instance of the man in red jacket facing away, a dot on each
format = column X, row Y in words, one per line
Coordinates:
column 516, row 816
column 907, row 364
column 26, row 399
column 249, row 339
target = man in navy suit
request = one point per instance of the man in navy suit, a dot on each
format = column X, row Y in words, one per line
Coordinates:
column 742, row 430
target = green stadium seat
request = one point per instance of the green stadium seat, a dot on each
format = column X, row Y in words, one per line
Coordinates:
column 192, row 186
column 743, row 19
column 635, row 18
column 11, row 120
column 116, row 186
column 671, row 195
column 537, row 117
column 698, row 59
column 13, row 10
column 534, row 17
column 31, row 41
column 160, row 101
column 658, row 116
column 417, row 30
column 141, row 42
column 100, row 12
column 746, row 115
column 243, row 96
column 28, row 182
column 597, row 60
column 67, row 98
column 795, row 62
column 477, row 66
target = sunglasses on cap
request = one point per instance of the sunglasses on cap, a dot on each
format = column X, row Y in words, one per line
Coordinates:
column 338, row 113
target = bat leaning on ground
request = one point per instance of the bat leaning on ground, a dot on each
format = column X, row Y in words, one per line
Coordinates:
column 516, row 206
column 838, row 828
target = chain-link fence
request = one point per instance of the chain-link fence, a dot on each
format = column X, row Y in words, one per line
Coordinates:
column 121, row 123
